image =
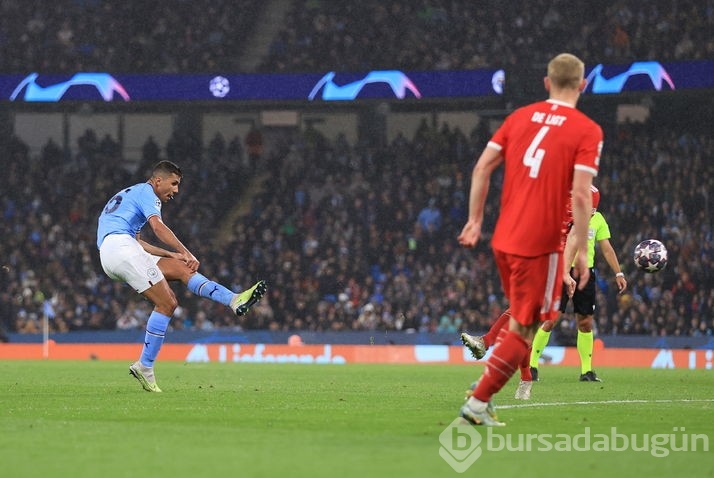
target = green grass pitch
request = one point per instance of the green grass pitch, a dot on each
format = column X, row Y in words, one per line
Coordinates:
column 91, row 419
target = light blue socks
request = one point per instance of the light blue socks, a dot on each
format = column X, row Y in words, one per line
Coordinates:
column 155, row 333
column 204, row 287
column 158, row 323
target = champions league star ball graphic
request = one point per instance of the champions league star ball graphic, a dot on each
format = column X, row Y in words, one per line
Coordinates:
column 650, row 256
column 219, row 86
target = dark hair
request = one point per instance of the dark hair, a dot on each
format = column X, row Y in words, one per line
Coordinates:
column 166, row 167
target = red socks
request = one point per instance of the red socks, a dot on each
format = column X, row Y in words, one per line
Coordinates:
column 506, row 358
column 526, row 366
column 501, row 324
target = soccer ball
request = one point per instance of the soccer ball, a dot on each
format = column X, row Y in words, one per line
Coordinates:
column 650, row 256
column 219, row 86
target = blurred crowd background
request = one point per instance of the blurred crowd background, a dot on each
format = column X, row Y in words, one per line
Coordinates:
column 200, row 35
column 349, row 236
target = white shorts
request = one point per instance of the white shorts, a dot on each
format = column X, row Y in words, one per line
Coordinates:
column 123, row 259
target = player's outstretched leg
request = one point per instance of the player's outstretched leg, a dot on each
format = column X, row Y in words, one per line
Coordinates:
column 242, row 302
column 239, row 303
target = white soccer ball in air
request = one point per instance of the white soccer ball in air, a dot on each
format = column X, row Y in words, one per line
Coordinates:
column 650, row 256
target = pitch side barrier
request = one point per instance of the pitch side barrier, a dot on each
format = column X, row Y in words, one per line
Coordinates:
column 346, row 354
column 365, row 337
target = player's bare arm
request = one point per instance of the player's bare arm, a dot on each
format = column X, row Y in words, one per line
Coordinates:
column 167, row 236
column 489, row 160
column 156, row 250
column 568, row 258
column 582, row 209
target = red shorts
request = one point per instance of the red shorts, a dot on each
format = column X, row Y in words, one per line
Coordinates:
column 533, row 285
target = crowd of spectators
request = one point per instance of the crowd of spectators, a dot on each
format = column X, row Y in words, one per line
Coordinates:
column 131, row 36
column 462, row 34
column 349, row 236
column 67, row 36
column 50, row 205
column 342, row 235
column 657, row 184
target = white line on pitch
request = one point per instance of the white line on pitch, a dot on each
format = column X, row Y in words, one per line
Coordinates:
column 604, row 402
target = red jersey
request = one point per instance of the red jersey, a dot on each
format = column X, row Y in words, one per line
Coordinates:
column 542, row 144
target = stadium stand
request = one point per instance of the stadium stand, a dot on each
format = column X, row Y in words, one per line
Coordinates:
column 198, row 36
column 341, row 241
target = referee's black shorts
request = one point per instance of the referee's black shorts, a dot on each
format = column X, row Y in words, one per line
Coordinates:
column 583, row 300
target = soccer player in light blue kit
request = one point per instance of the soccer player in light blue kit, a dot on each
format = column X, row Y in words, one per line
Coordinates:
column 147, row 268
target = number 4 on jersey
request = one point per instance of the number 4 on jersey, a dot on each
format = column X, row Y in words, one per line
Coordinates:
column 534, row 155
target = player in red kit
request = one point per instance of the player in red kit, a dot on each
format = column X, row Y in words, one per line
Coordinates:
column 479, row 345
column 551, row 152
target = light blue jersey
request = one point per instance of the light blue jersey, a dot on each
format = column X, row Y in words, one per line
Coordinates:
column 128, row 211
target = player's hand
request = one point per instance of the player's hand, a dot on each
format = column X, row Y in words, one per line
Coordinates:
column 582, row 271
column 621, row 284
column 177, row 255
column 192, row 263
column 470, row 234
column 190, row 260
column 569, row 283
